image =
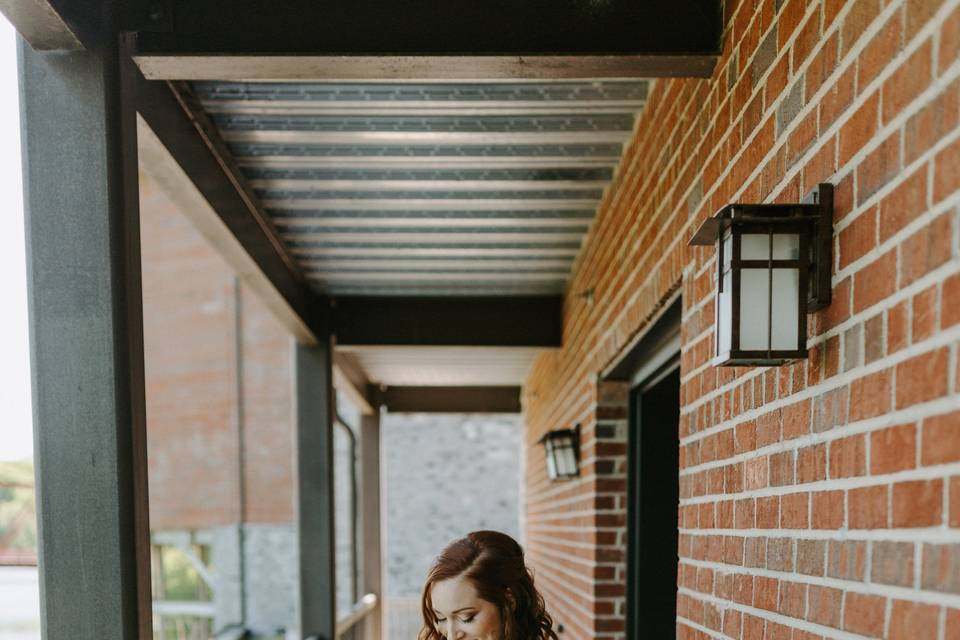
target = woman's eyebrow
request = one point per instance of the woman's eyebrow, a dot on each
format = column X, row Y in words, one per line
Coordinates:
column 457, row 611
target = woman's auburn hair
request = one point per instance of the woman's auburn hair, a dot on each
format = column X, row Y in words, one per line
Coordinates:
column 493, row 562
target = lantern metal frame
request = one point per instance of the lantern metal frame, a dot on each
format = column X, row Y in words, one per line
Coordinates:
column 812, row 222
column 549, row 451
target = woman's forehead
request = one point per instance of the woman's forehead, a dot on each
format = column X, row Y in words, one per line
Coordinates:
column 453, row 594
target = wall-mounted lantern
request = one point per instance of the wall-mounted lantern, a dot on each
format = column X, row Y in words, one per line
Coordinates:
column 562, row 450
column 773, row 268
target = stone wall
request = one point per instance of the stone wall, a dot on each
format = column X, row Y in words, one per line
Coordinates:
column 444, row 476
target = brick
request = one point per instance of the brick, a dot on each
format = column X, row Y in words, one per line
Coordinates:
column 812, row 464
column 755, row 552
column 768, row 428
column 745, row 513
column 858, row 19
column 837, row 98
column 950, row 40
column 807, row 39
column 902, row 205
column 913, row 621
column 892, row 563
column 934, row 121
column 756, row 473
column 917, row 503
column 768, row 512
column 898, row 323
column 795, row 511
column 753, row 628
column 824, row 605
column 922, row 378
column 765, row 593
column 846, row 559
column 873, row 339
column 908, row 81
column 953, row 625
column 793, row 599
column 764, row 56
column 919, row 13
column 946, row 173
column 864, row 614
column 870, row 395
column 780, row 554
column 954, row 502
column 941, row 439
column 881, row 165
column 848, row 457
column 875, row 282
column 830, row 409
column 950, row 313
column 867, row 507
column 810, row 557
column 893, row 449
column 790, row 105
column 923, row 311
column 852, row 353
column 828, row 510
column 941, row 568
column 781, row 469
column 859, row 129
column 881, row 49
column 839, row 308
column 796, row 420
column 925, row 250
column 823, row 64
column 859, row 237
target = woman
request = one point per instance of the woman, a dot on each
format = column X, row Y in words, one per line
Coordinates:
column 480, row 589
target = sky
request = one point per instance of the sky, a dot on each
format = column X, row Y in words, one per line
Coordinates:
column 16, row 434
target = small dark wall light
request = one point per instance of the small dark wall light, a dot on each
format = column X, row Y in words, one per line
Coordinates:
column 562, row 450
column 773, row 268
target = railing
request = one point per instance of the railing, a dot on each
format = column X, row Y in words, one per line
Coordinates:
column 360, row 610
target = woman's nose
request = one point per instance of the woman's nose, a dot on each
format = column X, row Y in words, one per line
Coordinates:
column 453, row 633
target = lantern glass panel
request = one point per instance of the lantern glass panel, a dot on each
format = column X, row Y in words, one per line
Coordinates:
column 724, row 308
column 754, row 246
column 786, row 246
column 786, row 300
column 567, row 461
column 754, row 309
column 551, row 461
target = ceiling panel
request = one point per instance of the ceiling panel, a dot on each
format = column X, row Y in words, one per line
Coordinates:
column 433, row 188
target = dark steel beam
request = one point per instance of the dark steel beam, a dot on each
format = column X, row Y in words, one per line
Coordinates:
column 449, row 399
column 86, row 340
column 375, row 39
column 174, row 115
column 316, row 584
column 505, row 321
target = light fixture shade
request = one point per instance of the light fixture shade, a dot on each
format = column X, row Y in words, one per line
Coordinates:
column 773, row 267
column 562, row 451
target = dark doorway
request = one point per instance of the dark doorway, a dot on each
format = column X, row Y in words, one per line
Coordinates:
column 653, row 495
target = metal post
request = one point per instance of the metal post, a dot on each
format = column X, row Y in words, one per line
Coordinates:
column 316, row 589
column 86, row 339
column 371, row 554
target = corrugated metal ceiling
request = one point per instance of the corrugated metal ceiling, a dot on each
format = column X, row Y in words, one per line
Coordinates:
column 429, row 189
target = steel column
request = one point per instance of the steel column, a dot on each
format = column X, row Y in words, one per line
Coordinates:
column 86, row 340
column 371, row 554
column 313, row 395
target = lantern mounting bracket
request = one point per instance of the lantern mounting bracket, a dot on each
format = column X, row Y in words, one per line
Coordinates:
column 815, row 211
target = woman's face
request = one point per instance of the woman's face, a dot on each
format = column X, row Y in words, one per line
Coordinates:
column 461, row 614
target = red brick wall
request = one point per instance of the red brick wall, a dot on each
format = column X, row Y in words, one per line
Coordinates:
column 209, row 378
column 820, row 499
